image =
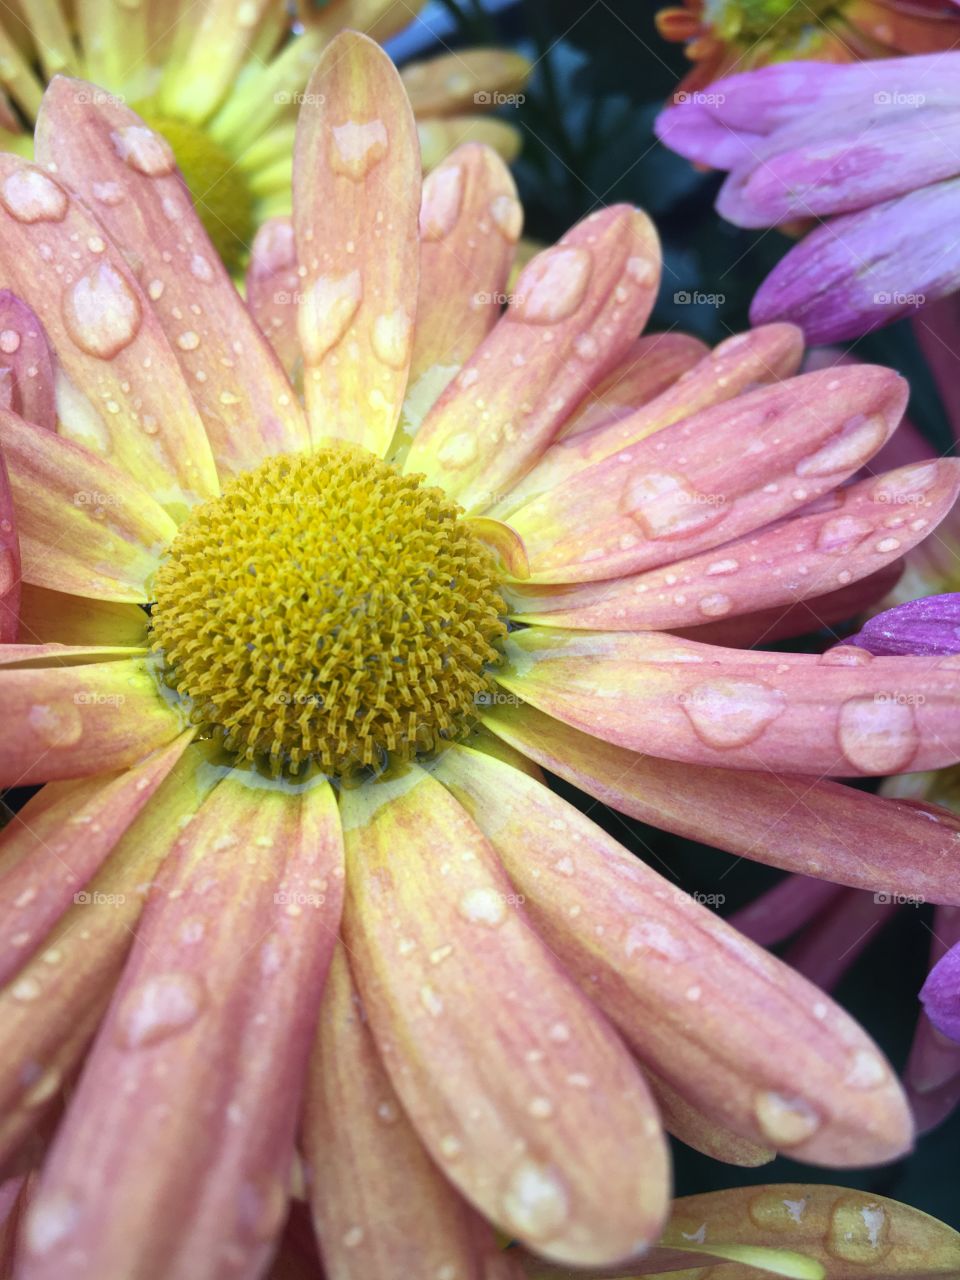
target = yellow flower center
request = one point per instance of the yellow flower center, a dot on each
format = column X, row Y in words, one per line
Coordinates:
column 328, row 609
column 773, row 20
column 221, row 193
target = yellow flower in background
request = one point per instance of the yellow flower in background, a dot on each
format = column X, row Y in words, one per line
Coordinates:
column 222, row 81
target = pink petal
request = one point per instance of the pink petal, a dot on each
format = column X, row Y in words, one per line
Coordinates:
column 273, row 286
column 782, row 910
column 10, row 565
column 830, row 945
column 26, row 363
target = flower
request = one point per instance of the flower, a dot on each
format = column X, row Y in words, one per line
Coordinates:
column 869, row 152
column 222, row 83
column 254, row 771
column 724, row 36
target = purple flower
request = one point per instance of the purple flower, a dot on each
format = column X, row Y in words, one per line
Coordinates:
column 927, row 627
column 871, row 151
column 941, row 994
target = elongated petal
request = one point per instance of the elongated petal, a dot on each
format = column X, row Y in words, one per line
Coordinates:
column 69, row 722
column 52, row 847
column 78, row 964
column 209, row 1029
column 933, row 1070
column 381, row 1206
column 26, row 363
column 653, row 364
column 462, row 998
column 691, row 1126
column 820, row 829
column 847, row 278
column 696, row 485
column 468, row 78
column 441, row 135
column 830, row 945
column 53, row 617
column 929, row 626
column 62, row 494
column 356, row 198
column 742, row 362
column 11, row 587
column 575, row 311
column 834, row 714
column 273, row 286
column 731, row 1028
column 782, row 910
column 108, row 341
column 856, row 533
column 248, row 407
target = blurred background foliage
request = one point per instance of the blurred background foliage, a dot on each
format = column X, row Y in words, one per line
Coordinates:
column 601, row 75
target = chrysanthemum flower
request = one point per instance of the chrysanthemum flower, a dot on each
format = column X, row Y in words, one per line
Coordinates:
column 255, row 768
column 221, row 81
column 724, row 36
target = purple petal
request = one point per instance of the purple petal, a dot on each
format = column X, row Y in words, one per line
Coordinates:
column 941, row 994
column 929, row 627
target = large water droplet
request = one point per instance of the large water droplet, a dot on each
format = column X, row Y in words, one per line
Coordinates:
column 30, row 196
column 785, row 1121
column 159, row 1007
column 507, row 214
column 56, row 726
column 101, row 312
column 328, row 307
column 357, row 147
column 731, row 713
column 535, row 1203
column 905, row 484
column 857, row 440
column 442, row 198
column 392, row 334
column 771, row 1211
column 878, row 733
column 665, row 505
column 143, row 150
column 458, row 450
column 843, row 533
column 51, row 1219
column 859, row 1230
column 552, row 286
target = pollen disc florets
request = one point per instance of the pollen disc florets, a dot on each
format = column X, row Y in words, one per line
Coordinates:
column 327, row 608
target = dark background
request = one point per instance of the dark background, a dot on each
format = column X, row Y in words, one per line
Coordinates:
column 602, row 74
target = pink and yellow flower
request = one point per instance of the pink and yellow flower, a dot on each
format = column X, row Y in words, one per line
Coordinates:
column 221, row 80
column 290, row 674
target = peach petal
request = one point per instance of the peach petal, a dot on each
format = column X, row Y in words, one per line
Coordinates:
column 58, row 841
column 701, row 1133
column 26, row 363
column 55, row 255
column 747, row 360
column 820, row 829
column 54, row 617
column 574, row 312
column 72, row 721
column 441, row 135
column 273, row 289
column 465, row 79
column 356, row 200
column 248, row 407
column 835, row 714
column 556, row 1142
column 208, row 1031
column 696, row 484
column 85, row 527
column 653, row 364
column 857, row 532
column 381, row 1207
column 70, row 978
column 11, row 585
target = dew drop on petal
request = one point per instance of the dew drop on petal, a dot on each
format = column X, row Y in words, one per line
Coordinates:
column 392, row 333
column 878, row 733
column 785, row 1121
column 857, row 440
column 357, row 147
column 9, row 341
column 327, row 309
column 200, row 268
column 188, row 340
column 552, row 286
column 442, row 198
column 158, row 1008
column 843, row 533
column 867, row 1070
column 715, row 606
column 905, row 482
column 101, row 312
column 30, row 196
column 771, row 1211
column 665, row 505
column 51, row 1219
column 483, row 906
column 859, row 1230
column 144, row 150
column 458, row 450
column 535, row 1202
column 846, row 655
column 59, row 726
column 731, row 713
column 507, row 214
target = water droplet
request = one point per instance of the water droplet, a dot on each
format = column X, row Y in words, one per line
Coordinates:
column 9, row 341
column 483, row 906
column 772, row 1212
column 450, row 1147
column 552, row 286
column 648, row 936
column 507, row 214
column 442, row 198
column 846, row 655
column 665, row 505
column 50, row 1220
column 356, row 147
column 906, row 482
column 392, row 333
column 59, row 726
column 200, row 268
column 143, row 150
column 859, row 1230
column 715, row 606
column 586, row 346
column 42, row 1090
column 731, row 713
column 353, row 1237
column 856, row 441
column 878, row 733
column 101, row 312
column 458, row 450
column 327, row 309
column 642, row 270
column 188, row 340
column 430, row 1000
column 867, row 1070
column 30, row 196
column 109, row 193
column 785, row 1121
column 843, row 533
column 540, row 1108
column 160, row 1007
column 26, row 989
column 535, row 1203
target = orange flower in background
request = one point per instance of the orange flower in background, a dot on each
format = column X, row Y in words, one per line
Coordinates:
column 726, row 36
column 290, row 675
column 222, row 80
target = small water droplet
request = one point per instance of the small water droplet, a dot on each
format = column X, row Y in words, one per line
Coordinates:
column 353, row 1237
column 357, row 147
column 785, row 1121
column 9, row 341
column 327, row 309
column 59, row 726
column 442, row 198
column 856, row 441
column 552, row 286
column 158, row 1008
column 535, row 1203
column 188, row 340
column 843, row 533
column 51, row 1219
column 392, row 333
column 30, row 196
column 143, row 150
column 715, row 606
column 483, row 906
column 430, row 1000
column 507, row 214
column 867, row 1070
column 458, row 450
column 859, row 1230
column 200, row 268
column 878, row 734
column 101, row 312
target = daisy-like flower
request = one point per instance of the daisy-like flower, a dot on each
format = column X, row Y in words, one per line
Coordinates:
column 468, row 540
column 221, row 81
column 724, row 36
